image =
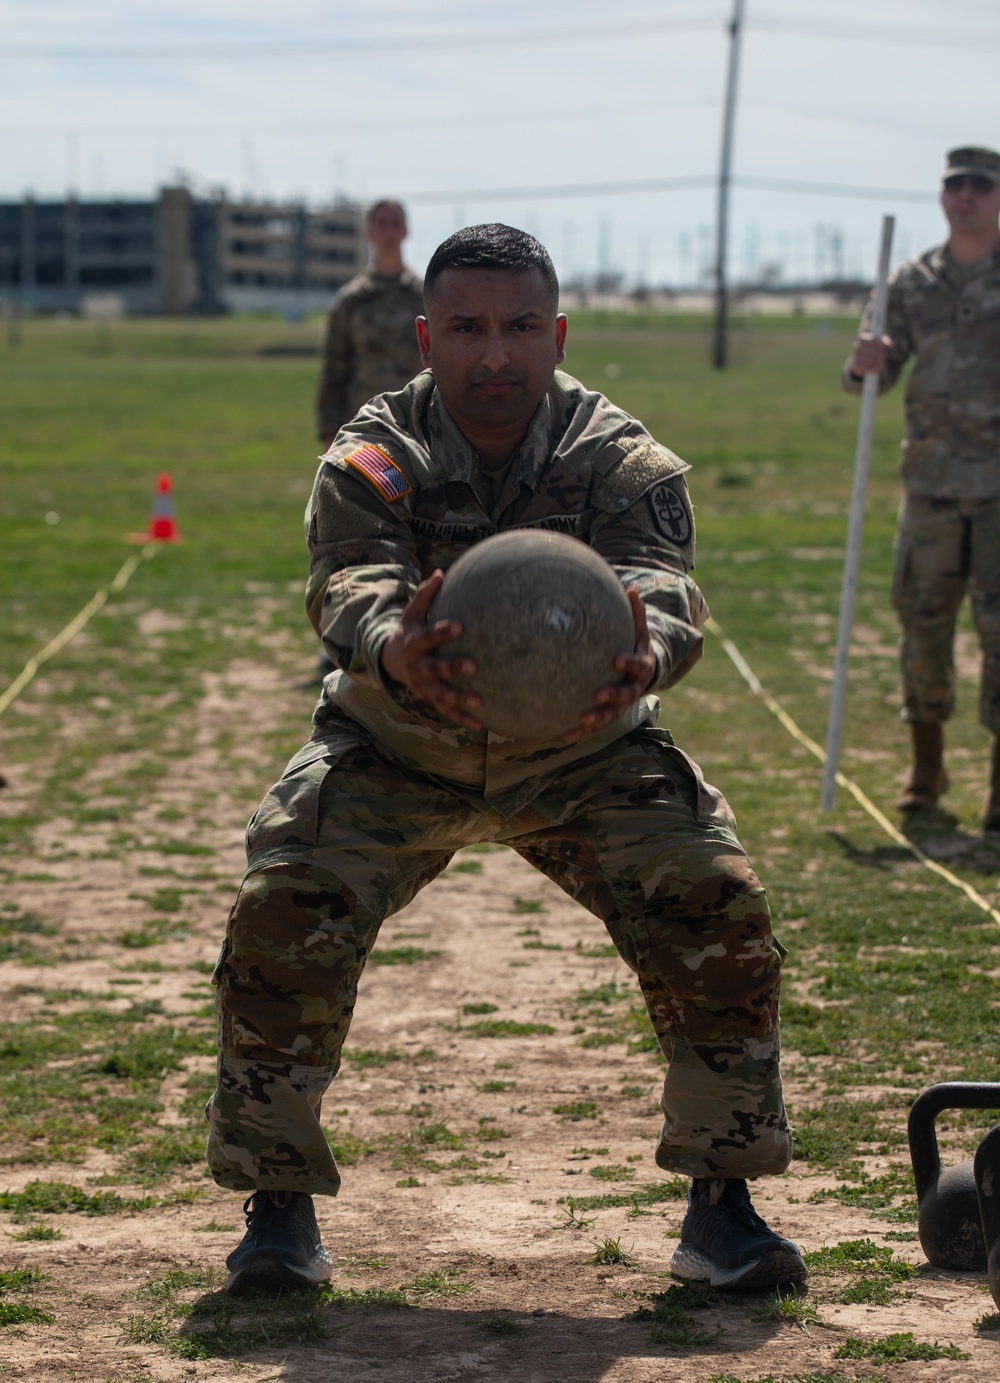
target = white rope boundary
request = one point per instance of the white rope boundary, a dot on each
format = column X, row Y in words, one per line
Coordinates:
column 848, row 784
column 96, row 601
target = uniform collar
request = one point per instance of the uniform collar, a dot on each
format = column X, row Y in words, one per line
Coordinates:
column 448, row 443
column 945, row 266
column 406, row 279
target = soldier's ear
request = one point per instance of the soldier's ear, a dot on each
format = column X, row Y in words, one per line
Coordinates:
column 424, row 341
column 561, row 326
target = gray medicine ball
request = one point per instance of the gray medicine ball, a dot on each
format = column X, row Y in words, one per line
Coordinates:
column 544, row 617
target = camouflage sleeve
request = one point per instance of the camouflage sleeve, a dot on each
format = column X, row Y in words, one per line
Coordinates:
column 363, row 569
column 896, row 328
column 643, row 526
column 331, row 401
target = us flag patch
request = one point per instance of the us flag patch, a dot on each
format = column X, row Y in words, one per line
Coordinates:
column 381, row 470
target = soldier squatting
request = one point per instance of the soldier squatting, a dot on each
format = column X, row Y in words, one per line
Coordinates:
column 398, row 774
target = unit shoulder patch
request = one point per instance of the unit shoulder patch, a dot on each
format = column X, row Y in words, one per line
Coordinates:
column 381, row 471
column 670, row 514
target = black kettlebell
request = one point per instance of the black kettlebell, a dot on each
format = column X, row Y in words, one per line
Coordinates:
column 949, row 1223
column 987, row 1172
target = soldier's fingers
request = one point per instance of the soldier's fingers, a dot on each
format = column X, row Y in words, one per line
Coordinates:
column 622, row 694
column 433, row 674
column 456, row 706
column 640, row 665
column 591, row 721
column 418, row 607
column 639, row 620
column 430, row 636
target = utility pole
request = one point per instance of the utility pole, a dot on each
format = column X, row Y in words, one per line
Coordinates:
column 720, row 346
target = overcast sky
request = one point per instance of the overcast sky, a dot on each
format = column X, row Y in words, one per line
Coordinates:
column 378, row 97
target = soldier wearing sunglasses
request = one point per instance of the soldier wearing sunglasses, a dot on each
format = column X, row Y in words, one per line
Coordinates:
column 944, row 310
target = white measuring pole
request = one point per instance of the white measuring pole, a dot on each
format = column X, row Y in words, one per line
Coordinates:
column 852, row 555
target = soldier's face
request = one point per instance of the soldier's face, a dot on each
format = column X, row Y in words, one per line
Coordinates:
column 493, row 338
column 387, row 229
column 968, row 210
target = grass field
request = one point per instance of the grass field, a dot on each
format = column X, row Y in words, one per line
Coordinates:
column 891, row 980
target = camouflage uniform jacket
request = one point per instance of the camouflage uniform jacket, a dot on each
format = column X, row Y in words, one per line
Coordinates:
column 948, row 316
column 370, row 346
column 401, row 492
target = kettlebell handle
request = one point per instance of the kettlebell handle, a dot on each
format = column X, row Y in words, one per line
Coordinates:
column 921, row 1133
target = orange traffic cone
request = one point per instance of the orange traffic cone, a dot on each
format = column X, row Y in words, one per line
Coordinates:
column 162, row 523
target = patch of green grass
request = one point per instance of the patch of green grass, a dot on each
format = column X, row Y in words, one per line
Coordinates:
column 466, row 867
column 348, row 1148
column 367, row 1058
column 637, row 1197
column 888, row 1197
column 441, row 1282
column 164, row 1155
column 611, row 1173
column 795, row 1378
column 670, row 1323
column 167, row 899
column 843, row 1130
column 599, row 1039
column 600, row 951
column 572, row 1111
column 523, row 906
column 988, row 1323
column 876, row 1270
column 23, row 1313
column 402, row 955
column 496, row 1087
column 20, row 1282
column 788, row 1308
column 896, row 1349
column 38, row 1229
column 608, row 1253
column 479, row 1008
column 507, row 1027
column 572, row 1217
column 61, row 1198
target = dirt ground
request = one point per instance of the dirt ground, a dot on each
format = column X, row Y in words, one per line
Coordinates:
column 514, row 1292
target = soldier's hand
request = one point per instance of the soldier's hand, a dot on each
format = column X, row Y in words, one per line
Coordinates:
column 868, row 354
column 408, row 657
column 637, row 668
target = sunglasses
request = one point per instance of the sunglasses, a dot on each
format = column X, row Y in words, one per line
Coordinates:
column 976, row 181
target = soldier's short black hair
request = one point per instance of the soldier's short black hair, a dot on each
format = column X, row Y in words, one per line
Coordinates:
column 493, row 246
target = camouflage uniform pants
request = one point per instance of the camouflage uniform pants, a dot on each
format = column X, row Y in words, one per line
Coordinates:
column 945, row 547
column 349, row 835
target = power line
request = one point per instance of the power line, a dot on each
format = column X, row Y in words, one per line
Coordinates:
column 232, row 51
column 939, row 39
column 642, row 185
column 236, row 50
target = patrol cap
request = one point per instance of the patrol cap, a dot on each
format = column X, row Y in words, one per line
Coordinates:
column 974, row 161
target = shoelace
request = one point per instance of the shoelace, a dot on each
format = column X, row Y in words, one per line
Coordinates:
column 271, row 1199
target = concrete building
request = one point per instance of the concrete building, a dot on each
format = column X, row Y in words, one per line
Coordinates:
column 181, row 253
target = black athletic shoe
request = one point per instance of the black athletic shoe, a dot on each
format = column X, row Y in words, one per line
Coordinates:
column 725, row 1242
column 281, row 1250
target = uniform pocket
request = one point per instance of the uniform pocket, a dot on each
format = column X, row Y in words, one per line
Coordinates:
column 708, row 803
column 290, row 812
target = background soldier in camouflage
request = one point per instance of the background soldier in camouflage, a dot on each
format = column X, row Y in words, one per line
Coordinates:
column 944, row 309
column 399, row 774
column 370, row 344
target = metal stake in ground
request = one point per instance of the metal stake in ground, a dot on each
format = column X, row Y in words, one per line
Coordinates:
column 852, row 556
